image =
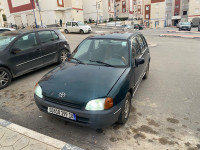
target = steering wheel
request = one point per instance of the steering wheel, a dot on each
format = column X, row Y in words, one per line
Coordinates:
column 120, row 57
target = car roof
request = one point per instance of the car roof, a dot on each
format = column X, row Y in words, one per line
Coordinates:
column 118, row 36
column 24, row 31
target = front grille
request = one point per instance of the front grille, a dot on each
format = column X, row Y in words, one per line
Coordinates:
column 62, row 103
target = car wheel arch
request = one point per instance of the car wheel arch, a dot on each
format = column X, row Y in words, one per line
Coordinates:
column 6, row 67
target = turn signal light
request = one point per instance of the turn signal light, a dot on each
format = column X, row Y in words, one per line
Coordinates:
column 108, row 103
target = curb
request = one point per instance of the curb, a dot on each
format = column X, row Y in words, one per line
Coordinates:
column 181, row 36
column 38, row 136
column 173, row 31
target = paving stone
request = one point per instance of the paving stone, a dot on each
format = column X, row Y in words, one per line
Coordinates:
column 7, row 148
column 2, row 132
column 9, row 138
column 51, row 148
column 22, row 143
column 35, row 145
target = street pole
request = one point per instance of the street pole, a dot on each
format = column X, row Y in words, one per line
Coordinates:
column 39, row 12
column 34, row 13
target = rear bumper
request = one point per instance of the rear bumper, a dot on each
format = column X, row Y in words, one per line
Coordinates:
column 94, row 119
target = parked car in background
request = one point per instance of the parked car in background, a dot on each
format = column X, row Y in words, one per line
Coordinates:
column 23, row 51
column 199, row 27
column 127, row 26
column 185, row 26
column 178, row 25
column 2, row 30
column 138, row 26
column 95, row 86
column 77, row 27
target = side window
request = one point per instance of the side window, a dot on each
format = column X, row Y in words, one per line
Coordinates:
column 55, row 36
column 45, row 36
column 26, row 42
column 69, row 24
column 135, row 45
column 74, row 24
column 140, row 42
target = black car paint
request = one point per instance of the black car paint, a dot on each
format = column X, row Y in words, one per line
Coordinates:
column 39, row 56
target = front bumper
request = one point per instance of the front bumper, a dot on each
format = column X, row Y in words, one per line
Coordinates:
column 94, row 119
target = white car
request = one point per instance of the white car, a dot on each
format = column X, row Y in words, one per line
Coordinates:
column 6, row 29
column 76, row 26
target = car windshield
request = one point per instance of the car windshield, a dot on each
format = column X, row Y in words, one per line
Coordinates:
column 185, row 23
column 5, row 40
column 80, row 23
column 112, row 53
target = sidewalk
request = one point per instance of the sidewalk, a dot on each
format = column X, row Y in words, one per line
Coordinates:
column 15, row 137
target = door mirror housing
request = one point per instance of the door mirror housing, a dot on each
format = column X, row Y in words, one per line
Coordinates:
column 139, row 61
column 15, row 50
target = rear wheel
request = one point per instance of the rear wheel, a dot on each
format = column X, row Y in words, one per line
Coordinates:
column 66, row 31
column 63, row 56
column 5, row 77
column 81, row 31
column 123, row 117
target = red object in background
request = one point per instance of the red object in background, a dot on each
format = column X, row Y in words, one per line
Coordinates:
column 21, row 8
column 177, row 7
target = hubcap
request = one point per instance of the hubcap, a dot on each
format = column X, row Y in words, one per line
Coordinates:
column 63, row 56
column 126, row 108
column 4, row 78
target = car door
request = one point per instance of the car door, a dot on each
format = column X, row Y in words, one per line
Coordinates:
column 75, row 27
column 49, row 46
column 136, row 69
column 25, row 54
column 144, row 51
column 69, row 26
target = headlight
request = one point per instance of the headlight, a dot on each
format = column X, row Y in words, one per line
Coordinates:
column 38, row 91
column 99, row 104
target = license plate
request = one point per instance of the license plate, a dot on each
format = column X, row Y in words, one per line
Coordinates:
column 61, row 113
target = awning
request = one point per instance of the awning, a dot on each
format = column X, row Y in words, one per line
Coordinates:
column 176, row 17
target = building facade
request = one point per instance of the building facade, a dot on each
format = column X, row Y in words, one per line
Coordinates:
column 2, row 23
column 194, row 9
column 42, row 12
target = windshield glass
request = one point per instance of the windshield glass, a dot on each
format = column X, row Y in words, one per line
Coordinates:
column 103, row 52
column 185, row 23
column 80, row 23
column 5, row 40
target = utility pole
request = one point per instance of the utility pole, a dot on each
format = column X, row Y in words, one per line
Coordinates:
column 34, row 13
column 115, row 6
column 37, row 1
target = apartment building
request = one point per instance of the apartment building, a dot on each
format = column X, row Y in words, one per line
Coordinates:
column 1, row 14
column 194, row 9
column 100, row 10
column 32, row 12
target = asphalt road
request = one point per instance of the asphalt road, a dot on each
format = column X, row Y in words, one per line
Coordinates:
column 165, row 109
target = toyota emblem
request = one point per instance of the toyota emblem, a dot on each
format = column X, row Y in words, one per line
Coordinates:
column 62, row 94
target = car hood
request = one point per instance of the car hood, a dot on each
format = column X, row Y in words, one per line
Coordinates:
column 80, row 82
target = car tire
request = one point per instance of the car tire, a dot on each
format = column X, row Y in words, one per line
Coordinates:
column 63, row 56
column 124, row 115
column 81, row 31
column 66, row 31
column 146, row 73
column 5, row 77
column 179, row 29
column 189, row 29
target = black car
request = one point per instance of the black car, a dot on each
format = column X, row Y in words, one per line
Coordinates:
column 26, row 50
column 185, row 26
column 95, row 86
column 138, row 26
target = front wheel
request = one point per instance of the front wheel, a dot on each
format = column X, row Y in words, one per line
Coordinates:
column 63, row 56
column 123, row 117
column 81, row 31
column 66, row 31
column 5, row 77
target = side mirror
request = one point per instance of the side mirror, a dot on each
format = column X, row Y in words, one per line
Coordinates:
column 139, row 61
column 15, row 50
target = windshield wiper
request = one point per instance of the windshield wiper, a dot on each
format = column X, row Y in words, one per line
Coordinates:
column 100, row 62
column 80, row 62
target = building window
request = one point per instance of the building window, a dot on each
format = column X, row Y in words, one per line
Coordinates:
column 123, row 6
column 196, row 10
column 147, row 16
column 147, row 7
column 177, row 6
column 176, row 14
column 184, row 12
column 60, row 3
